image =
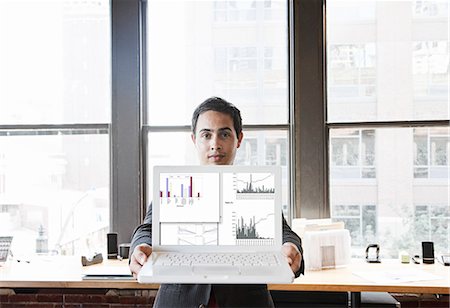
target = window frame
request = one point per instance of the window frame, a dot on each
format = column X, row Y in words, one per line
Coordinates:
column 127, row 116
column 308, row 100
column 307, row 122
column 308, row 185
column 307, row 126
column 390, row 124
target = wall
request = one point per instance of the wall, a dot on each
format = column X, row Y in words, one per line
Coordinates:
column 76, row 298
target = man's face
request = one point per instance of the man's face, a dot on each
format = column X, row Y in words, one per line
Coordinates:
column 215, row 138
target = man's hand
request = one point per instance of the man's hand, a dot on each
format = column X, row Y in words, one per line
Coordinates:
column 293, row 255
column 138, row 258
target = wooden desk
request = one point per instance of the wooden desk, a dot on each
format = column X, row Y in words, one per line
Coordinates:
column 66, row 272
column 343, row 279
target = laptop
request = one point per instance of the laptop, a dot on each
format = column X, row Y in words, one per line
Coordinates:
column 216, row 224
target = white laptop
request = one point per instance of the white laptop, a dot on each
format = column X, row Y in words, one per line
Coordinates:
column 216, row 224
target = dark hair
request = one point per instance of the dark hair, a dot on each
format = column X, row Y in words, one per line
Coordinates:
column 220, row 105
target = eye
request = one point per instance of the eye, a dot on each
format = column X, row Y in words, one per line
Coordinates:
column 225, row 134
column 206, row 135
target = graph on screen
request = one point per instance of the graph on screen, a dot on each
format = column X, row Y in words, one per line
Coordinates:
column 208, row 208
column 254, row 186
column 182, row 190
column 190, row 234
column 254, row 227
column 185, row 197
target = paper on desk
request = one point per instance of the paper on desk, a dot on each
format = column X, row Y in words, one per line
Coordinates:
column 106, row 270
column 398, row 276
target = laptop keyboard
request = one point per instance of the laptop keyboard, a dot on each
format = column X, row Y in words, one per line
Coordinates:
column 234, row 259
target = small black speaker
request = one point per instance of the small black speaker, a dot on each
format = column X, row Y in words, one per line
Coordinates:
column 428, row 252
column 112, row 246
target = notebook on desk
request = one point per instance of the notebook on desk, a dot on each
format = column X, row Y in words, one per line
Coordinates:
column 216, row 224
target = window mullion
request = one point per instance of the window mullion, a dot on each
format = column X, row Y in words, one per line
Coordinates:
column 126, row 189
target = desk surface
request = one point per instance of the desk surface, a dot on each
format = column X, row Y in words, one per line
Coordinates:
column 66, row 272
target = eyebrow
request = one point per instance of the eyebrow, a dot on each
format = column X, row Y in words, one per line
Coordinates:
column 219, row 130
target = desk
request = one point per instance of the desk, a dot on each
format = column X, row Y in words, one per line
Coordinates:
column 65, row 272
column 343, row 280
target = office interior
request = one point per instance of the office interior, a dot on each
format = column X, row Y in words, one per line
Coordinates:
column 350, row 98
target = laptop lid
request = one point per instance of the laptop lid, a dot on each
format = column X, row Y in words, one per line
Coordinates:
column 217, row 208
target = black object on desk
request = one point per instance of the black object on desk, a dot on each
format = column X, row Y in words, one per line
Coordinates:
column 373, row 253
column 113, row 249
column 97, row 258
column 124, row 250
column 427, row 252
column 416, row 259
column 444, row 259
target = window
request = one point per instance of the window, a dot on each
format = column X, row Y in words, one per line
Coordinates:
column 274, row 10
column 352, row 68
column 233, row 11
column 389, row 156
column 430, row 69
column 386, row 112
column 431, row 153
column 427, row 9
column 54, row 125
column 432, row 223
column 352, row 154
column 359, row 220
column 216, row 51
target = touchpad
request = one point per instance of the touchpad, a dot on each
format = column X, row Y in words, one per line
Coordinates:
column 215, row 269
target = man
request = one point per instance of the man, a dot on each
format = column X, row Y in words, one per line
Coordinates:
column 217, row 134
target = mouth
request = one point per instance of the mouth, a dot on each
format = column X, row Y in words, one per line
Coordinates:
column 216, row 157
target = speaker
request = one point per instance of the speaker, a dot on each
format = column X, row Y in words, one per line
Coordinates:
column 428, row 252
column 112, row 245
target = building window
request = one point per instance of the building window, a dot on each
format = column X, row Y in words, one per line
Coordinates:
column 234, row 11
column 430, row 9
column 360, row 220
column 431, row 153
column 352, row 154
column 235, row 59
column 430, row 69
column 432, row 223
column 352, row 68
column 55, row 98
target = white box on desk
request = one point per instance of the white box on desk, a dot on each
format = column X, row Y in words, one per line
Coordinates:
column 325, row 244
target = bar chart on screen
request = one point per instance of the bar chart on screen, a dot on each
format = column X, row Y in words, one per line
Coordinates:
column 188, row 197
column 255, row 228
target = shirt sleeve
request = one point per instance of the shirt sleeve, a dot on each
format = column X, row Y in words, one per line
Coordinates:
column 292, row 237
column 143, row 233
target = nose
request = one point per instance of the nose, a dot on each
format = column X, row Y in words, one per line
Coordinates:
column 215, row 144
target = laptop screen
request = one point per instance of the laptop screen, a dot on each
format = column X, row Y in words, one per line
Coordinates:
column 227, row 205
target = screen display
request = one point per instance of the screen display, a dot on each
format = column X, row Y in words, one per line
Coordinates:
column 222, row 208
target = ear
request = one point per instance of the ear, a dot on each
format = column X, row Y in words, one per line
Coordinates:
column 193, row 137
column 241, row 135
